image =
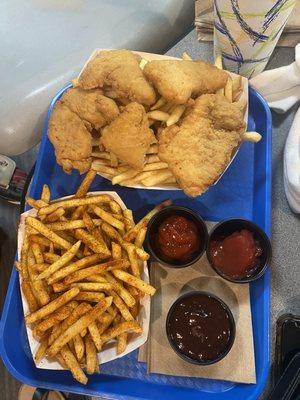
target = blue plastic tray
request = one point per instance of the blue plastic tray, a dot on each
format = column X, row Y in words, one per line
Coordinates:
column 244, row 191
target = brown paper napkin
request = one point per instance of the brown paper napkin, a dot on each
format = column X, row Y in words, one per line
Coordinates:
column 239, row 364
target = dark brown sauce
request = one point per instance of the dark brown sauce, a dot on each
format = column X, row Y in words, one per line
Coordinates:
column 237, row 255
column 200, row 327
column 177, row 238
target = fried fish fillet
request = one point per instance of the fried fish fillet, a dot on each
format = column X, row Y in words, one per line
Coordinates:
column 177, row 80
column 118, row 70
column 91, row 106
column 71, row 139
column 129, row 136
column 199, row 150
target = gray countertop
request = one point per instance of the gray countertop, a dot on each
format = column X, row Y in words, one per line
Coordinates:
column 286, row 227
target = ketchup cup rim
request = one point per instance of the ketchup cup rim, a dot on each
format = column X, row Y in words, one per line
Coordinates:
column 232, row 323
column 188, row 212
column 263, row 239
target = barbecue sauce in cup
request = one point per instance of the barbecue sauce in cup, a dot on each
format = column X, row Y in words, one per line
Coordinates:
column 200, row 328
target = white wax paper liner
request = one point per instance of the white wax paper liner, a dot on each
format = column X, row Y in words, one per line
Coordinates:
column 110, row 352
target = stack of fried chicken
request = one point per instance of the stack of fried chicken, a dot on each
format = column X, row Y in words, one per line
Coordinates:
column 121, row 107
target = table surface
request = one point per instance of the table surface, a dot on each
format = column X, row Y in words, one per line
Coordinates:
column 285, row 295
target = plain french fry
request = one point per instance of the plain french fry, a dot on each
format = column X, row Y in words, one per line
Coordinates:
column 153, row 149
column 77, row 265
column 85, row 184
column 155, row 166
column 140, row 237
column 52, row 306
column 152, row 158
column 177, row 112
column 158, row 115
column 41, row 351
column 116, row 251
column 91, row 355
column 131, row 173
column 99, row 167
column 92, row 286
column 129, row 236
column 29, row 296
column 113, row 160
column 157, row 177
column 55, row 215
column 93, row 297
column 96, row 269
column 127, row 326
column 56, row 317
column 73, row 365
column 218, row 62
column 253, row 137
column 107, row 217
column 61, row 262
column 79, row 326
column 92, row 243
column 186, row 56
column 101, row 154
column 228, row 89
column 40, row 227
column 120, row 290
column 160, row 102
column 69, row 203
column 134, row 281
column 78, row 347
column 95, row 335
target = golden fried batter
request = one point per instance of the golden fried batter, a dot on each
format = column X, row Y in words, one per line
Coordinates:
column 71, row 140
column 91, row 106
column 199, row 150
column 129, row 136
column 118, row 70
column 177, row 80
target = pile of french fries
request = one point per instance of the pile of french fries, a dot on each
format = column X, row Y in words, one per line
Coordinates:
column 80, row 273
column 161, row 115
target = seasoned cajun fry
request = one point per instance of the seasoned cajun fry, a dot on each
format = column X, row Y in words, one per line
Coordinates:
column 55, row 215
column 73, row 365
column 116, row 251
column 77, row 213
column 56, row 317
column 85, row 184
column 52, row 306
column 78, row 346
column 46, row 194
column 91, row 241
column 134, row 281
column 62, row 261
column 120, row 290
column 142, row 255
column 96, row 269
column 88, row 222
column 41, row 240
column 75, row 224
column 39, row 267
column 93, row 297
column 140, row 237
column 29, row 296
column 41, row 351
column 37, row 204
column 82, row 263
column 134, row 264
column 59, row 287
column 56, row 331
column 107, row 217
column 129, row 221
column 96, row 279
column 69, row 203
column 91, row 355
column 50, row 257
column 95, row 335
column 128, row 326
column 119, row 303
column 91, row 286
column 121, row 343
column 36, row 248
column 39, row 226
column 79, row 325
column 82, row 309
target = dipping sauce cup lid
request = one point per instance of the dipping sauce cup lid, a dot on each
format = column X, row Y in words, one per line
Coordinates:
column 238, row 250
column 176, row 236
column 200, row 328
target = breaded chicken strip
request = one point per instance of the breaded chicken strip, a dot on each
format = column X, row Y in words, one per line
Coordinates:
column 91, row 106
column 71, row 140
column 199, row 150
column 118, row 70
column 177, row 80
column 129, row 136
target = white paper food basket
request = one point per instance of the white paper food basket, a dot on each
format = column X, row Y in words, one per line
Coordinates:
column 153, row 56
column 109, row 353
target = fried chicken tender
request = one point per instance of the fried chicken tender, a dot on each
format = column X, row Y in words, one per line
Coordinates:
column 71, row 140
column 91, row 106
column 199, row 149
column 177, row 80
column 129, row 136
column 119, row 71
